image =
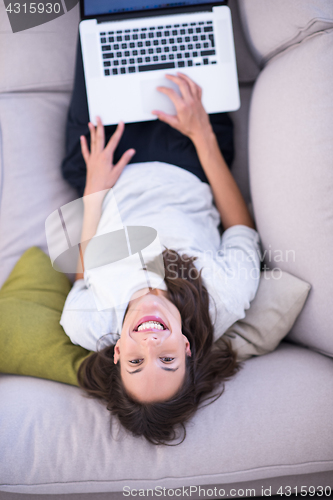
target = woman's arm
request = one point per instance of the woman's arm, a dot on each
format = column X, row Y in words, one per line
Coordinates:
column 228, row 198
column 193, row 121
column 92, row 211
column 101, row 176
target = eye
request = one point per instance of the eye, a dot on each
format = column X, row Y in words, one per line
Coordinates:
column 167, row 360
column 135, row 361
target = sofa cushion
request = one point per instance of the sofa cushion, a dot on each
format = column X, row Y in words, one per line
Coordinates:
column 274, row 419
column 40, row 58
column 291, row 150
column 272, row 26
column 279, row 300
column 31, row 185
column 32, row 340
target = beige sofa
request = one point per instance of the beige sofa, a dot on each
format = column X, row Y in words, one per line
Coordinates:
column 273, row 426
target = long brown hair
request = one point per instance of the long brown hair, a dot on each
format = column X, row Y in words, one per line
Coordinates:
column 206, row 369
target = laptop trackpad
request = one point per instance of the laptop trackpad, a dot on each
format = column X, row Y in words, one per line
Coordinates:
column 153, row 99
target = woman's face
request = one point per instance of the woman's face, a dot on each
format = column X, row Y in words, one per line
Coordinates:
column 152, row 357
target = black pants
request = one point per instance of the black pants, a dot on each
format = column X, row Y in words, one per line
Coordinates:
column 153, row 140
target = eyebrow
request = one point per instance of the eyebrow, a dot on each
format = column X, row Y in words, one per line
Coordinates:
column 163, row 368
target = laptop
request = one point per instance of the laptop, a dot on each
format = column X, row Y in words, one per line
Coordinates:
column 128, row 46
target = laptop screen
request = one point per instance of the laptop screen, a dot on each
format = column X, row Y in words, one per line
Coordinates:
column 99, row 7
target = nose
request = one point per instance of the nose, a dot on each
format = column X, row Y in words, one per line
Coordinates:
column 151, row 340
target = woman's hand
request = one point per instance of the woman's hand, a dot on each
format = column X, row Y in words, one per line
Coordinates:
column 101, row 173
column 191, row 119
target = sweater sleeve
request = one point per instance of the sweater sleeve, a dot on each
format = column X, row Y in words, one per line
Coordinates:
column 83, row 323
column 232, row 276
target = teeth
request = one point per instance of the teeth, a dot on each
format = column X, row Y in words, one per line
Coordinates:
column 150, row 324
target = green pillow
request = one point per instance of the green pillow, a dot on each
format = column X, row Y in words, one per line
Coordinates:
column 32, row 342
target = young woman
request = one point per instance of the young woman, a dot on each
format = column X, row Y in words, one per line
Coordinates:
column 159, row 361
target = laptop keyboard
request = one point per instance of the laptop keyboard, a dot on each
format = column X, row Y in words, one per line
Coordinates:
column 160, row 47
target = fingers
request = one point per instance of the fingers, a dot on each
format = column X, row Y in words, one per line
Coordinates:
column 84, row 148
column 97, row 136
column 195, row 88
column 100, row 135
column 183, row 87
column 172, row 94
column 124, row 160
column 115, row 138
column 190, row 92
column 169, row 119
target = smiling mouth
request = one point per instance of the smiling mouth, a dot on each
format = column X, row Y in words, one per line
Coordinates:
column 152, row 325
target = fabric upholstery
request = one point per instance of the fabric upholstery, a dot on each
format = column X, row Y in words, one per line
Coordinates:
column 40, row 58
column 279, row 300
column 254, row 487
column 272, row 420
column 272, row 26
column 31, row 183
column 291, row 149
